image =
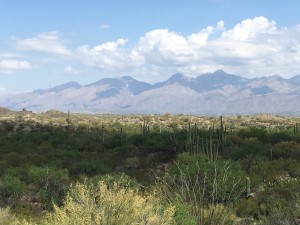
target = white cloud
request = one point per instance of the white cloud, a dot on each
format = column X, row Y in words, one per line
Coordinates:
column 9, row 65
column 71, row 70
column 252, row 47
column 169, row 49
column 250, row 28
column 110, row 56
column 164, row 48
column 201, row 38
column 104, row 26
column 46, row 42
column 10, row 55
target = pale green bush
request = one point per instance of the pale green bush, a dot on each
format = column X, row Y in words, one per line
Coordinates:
column 7, row 218
column 103, row 205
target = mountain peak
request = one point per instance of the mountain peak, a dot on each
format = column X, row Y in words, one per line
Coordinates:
column 219, row 72
column 126, row 78
column 295, row 79
column 217, row 93
column 276, row 78
column 59, row 88
column 176, row 77
column 71, row 84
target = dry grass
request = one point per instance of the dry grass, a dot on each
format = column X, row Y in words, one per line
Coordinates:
column 166, row 121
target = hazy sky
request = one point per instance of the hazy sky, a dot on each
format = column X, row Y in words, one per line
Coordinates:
column 46, row 43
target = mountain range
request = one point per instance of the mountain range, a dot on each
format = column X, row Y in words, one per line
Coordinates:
column 208, row 94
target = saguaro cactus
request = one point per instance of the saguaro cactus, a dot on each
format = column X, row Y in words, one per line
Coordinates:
column 68, row 118
column 248, row 187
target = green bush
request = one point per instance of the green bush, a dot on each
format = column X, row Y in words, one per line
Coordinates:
column 248, row 208
column 183, row 215
column 50, row 184
column 11, row 188
column 101, row 204
column 226, row 176
column 206, row 189
column 7, row 218
column 286, row 149
column 249, row 149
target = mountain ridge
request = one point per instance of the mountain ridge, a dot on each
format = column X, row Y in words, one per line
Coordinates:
column 208, row 94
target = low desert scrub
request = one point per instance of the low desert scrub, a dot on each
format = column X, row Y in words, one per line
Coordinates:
column 204, row 192
column 103, row 204
column 7, row 218
column 106, row 205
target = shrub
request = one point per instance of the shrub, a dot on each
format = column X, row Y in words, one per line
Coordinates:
column 287, row 149
column 88, row 204
column 183, row 215
column 50, row 184
column 219, row 181
column 7, row 218
column 207, row 190
column 11, row 188
column 119, row 179
column 248, row 208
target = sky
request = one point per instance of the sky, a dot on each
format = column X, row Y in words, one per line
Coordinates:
column 47, row 43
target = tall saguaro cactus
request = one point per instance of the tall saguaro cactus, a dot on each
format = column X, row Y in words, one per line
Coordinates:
column 222, row 133
column 221, row 129
column 68, row 118
column 248, row 187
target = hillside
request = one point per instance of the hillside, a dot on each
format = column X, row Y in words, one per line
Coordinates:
column 246, row 168
column 208, row 94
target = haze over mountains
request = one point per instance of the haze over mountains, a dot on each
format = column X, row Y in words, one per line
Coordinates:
column 208, row 94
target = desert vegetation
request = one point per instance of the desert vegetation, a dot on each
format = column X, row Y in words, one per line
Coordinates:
column 65, row 168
